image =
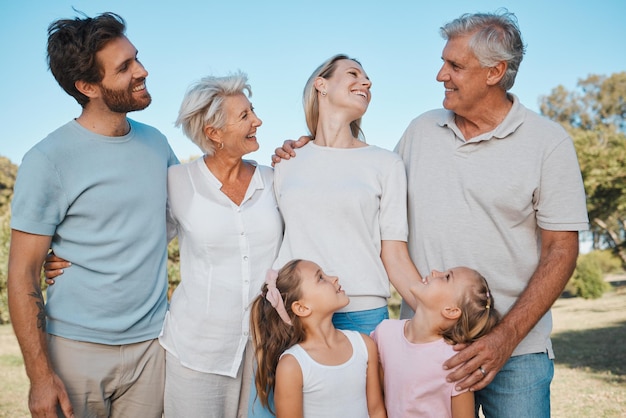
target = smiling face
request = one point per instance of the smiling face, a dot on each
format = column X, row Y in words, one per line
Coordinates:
column 320, row 292
column 239, row 133
column 445, row 288
column 348, row 88
column 464, row 79
column 123, row 86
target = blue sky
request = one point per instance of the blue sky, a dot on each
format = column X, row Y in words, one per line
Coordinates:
column 279, row 43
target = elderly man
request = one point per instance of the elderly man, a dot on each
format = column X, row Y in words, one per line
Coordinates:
column 494, row 186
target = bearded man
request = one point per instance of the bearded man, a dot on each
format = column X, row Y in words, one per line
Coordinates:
column 94, row 191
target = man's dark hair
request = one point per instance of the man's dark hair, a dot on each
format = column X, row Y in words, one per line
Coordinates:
column 72, row 48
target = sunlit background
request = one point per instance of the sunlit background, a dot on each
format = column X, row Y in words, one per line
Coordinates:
column 279, row 43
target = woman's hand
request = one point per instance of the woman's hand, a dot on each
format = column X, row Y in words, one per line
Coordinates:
column 53, row 267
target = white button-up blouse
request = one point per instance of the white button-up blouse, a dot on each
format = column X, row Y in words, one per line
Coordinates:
column 225, row 251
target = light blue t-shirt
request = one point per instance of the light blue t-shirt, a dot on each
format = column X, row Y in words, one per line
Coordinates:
column 102, row 199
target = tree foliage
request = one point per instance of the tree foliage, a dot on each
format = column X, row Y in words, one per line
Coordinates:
column 595, row 117
column 8, row 171
column 588, row 279
column 599, row 101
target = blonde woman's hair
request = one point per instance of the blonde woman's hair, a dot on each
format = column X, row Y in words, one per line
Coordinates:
column 271, row 335
column 478, row 314
column 310, row 100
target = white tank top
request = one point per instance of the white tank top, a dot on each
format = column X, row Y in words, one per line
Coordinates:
column 334, row 391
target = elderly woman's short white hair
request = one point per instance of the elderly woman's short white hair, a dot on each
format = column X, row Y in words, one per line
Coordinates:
column 203, row 105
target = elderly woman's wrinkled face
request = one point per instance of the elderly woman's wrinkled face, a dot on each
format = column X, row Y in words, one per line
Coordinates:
column 239, row 133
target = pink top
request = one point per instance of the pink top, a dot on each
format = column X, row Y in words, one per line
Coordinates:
column 415, row 381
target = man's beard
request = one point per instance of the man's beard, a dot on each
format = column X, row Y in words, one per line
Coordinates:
column 122, row 101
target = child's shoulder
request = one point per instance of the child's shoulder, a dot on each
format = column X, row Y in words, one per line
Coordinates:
column 388, row 328
column 288, row 367
column 362, row 343
column 355, row 336
column 390, row 324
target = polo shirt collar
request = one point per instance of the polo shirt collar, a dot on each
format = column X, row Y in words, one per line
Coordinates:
column 508, row 126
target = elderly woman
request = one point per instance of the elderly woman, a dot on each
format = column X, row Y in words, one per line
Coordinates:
column 229, row 228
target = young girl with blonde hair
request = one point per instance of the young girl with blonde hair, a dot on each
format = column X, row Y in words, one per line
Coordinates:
column 453, row 307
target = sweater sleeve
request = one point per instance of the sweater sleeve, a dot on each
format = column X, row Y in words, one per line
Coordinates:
column 393, row 203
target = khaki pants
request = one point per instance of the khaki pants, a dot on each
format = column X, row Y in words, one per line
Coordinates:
column 111, row 380
column 189, row 393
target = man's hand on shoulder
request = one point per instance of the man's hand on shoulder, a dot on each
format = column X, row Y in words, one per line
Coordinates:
column 475, row 365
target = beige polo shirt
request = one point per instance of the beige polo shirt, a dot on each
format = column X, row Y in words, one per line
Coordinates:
column 481, row 203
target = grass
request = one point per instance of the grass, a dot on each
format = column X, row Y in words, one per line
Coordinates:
column 589, row 340
column 13, row 381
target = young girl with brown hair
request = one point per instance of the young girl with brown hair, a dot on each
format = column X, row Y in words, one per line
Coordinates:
column 314, row 369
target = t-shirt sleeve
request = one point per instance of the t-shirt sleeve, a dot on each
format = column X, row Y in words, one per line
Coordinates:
column 39, row 202
column 403, row 146
column 561, row 202
column 393, row 204
column 172, row 158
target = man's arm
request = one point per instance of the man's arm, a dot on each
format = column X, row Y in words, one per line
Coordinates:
column 559, row 250
column 26, row 306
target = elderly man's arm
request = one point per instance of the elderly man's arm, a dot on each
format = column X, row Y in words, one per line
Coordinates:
column 559, row 250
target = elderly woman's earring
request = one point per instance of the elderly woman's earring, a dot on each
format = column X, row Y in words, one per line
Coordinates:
column 220, row 146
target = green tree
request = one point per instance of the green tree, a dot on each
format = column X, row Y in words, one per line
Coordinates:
column 595, row 117
column 599, row 101
column 8, row 171
column 173, row 266
column 4, row 260
column 588, row 278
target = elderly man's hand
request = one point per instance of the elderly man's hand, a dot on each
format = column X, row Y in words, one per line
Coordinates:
column 476, row 364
